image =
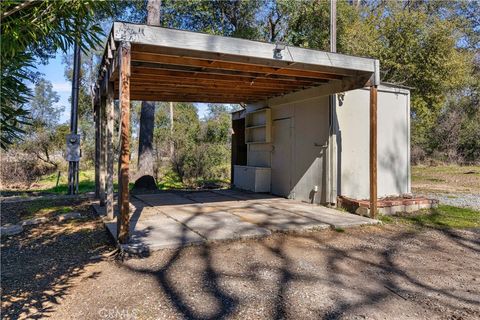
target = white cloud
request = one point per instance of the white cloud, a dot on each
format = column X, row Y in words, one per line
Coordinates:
column 65, row 87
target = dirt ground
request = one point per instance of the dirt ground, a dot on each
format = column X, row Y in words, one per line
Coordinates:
column 390, row 271
column 453, row 185
column 446, row 179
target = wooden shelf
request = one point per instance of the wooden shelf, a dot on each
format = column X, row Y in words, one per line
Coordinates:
column 258, row 126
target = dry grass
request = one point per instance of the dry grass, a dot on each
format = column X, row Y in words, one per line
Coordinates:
column 446, row 179
column 443, row 217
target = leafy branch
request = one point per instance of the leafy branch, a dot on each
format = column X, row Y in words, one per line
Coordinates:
column 32, row 30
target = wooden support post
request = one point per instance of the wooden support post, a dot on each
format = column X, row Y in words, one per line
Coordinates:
column 124, row 159
column 109, row 146
column 172, row 146
column 373, row 151
column 102, row 155
column 96, row 111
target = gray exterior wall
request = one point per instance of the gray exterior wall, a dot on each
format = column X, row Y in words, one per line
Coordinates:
column 393, row 142
column 299, row 165
column 299, row 157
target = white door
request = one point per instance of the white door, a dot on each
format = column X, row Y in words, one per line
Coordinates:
column 282, row 157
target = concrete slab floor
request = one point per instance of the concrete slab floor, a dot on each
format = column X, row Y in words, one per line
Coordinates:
column 276, row 219
column 334, row 218
column 164, row 199
column 156, row 233
column 219, row 225
column 209, row 197
column 180, row 218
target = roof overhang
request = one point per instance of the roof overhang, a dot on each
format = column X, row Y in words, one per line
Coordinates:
column 176, row 65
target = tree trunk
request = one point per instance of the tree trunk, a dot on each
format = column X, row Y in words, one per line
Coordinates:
column 147, row 115
column 145, row 142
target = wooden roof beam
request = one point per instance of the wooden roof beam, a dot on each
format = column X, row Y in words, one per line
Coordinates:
column 217, row 83
column 280, row 64
column 171, row 67
column 153, row 72
column 161, row 84
column 234, row 47
column 200, row 91
column 195, row 98
column 186, row 61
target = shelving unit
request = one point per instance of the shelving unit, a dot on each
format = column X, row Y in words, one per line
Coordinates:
column 258, row 126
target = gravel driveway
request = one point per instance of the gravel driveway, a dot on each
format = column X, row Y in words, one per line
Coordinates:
column 464, row 200
column 374, row 272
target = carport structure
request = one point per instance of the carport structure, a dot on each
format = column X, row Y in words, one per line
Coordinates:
column 150, row 63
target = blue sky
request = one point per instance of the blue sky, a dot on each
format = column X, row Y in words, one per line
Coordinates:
column 54, row 72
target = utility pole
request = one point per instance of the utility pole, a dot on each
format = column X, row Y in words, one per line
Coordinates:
column 73, row 139
column 333, row 25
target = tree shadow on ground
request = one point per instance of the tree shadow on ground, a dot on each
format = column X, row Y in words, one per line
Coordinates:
column 40, row 264
column 445, row 221
column 224, row 280
column 394, row 278
column 387, row 270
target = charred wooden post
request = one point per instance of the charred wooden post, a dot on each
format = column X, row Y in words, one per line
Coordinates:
column 124, row 160
column 102, row 154
column 110, row 113
column 96, row 115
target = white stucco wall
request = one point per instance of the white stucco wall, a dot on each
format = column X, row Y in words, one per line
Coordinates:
column 393, row 142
